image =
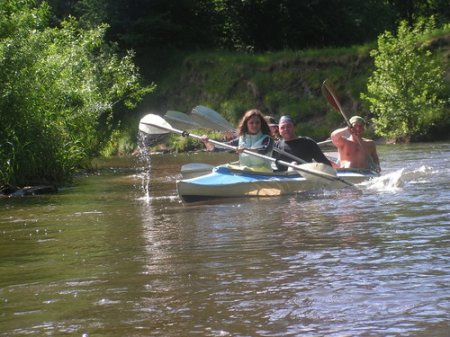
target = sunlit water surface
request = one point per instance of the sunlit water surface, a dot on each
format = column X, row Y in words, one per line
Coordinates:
column 118, row 254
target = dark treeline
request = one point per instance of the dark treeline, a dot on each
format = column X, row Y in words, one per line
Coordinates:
column 157, row 28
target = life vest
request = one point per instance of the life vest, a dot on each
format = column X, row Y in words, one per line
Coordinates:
column 260, row 142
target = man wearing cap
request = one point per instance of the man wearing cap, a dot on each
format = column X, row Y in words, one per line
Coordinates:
column 301, row 147
column 354, row 150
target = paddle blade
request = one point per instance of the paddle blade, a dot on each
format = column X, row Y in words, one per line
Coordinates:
column 321, row 168
column 181, row 120
column 323, row 175
column 210, row 119
column 152, row 124
column 330, row 94
column 192, row 170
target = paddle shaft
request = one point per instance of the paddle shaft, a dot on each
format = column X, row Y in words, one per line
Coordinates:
column 290, row 155
column 328, row 141
column 319, row 174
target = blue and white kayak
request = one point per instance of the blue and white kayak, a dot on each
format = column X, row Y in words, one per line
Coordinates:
column 228, row 182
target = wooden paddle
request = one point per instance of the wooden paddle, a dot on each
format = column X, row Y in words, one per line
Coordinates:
column 330, row 94
column 317, row 172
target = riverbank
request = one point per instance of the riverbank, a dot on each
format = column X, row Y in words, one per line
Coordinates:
column 287, row 82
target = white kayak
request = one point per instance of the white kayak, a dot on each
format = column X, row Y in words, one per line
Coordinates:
column 229, row 181
column 192, row 170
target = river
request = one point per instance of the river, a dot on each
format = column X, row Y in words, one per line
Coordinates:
column 117, row 254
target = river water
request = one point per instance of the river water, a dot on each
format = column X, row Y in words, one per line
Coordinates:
column 117, row 254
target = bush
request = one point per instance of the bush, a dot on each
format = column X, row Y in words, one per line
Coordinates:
column 406, row 89
column 60, row 88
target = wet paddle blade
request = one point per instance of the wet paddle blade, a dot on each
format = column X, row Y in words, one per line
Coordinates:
column 150, row 123
column 210, row 119
column 180, row 120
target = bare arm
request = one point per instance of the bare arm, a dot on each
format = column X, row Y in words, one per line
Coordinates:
column 339, row 135
column 209, row 146
column 374, row 155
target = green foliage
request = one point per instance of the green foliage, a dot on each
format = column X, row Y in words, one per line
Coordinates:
column 233, row 110
column 119, row 143
column 276, row 99
column 291, row 109
column 60, row 86
column 183, row 144
column 405, row 90
column 318, row 133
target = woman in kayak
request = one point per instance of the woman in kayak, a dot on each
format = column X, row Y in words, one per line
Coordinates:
column 254, row 135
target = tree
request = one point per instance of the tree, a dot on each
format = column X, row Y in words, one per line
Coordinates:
column 59, row 87
column 405, row 91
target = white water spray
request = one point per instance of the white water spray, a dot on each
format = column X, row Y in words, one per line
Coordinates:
column 145, row 160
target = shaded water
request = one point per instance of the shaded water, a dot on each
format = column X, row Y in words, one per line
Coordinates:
column 117, row 254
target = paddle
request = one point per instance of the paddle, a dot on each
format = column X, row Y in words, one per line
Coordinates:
column 317, row 172
column 327, row 141
column 181, row 120
column 329, row 93
column 192, row 170
column 211, row 119
column 196, row 169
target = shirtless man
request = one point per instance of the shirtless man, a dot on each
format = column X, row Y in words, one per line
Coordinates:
column 355, row 151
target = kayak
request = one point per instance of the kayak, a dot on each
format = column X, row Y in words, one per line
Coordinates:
column 237, row 181
column 228, row 181
column 192, row 170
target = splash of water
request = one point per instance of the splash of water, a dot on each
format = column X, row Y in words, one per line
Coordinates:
column 397, row 180
column 145, row 161
column 390, row 182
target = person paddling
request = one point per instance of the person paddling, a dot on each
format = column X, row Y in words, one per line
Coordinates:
column 304, row 148
column 254, row 135
column 354, row 150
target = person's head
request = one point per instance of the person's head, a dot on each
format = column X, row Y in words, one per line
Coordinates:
column 286, row 126
column 253, row 122
column 358, row 124
column 273, row 125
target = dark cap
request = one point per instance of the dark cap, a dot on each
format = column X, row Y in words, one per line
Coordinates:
column 271, row 121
